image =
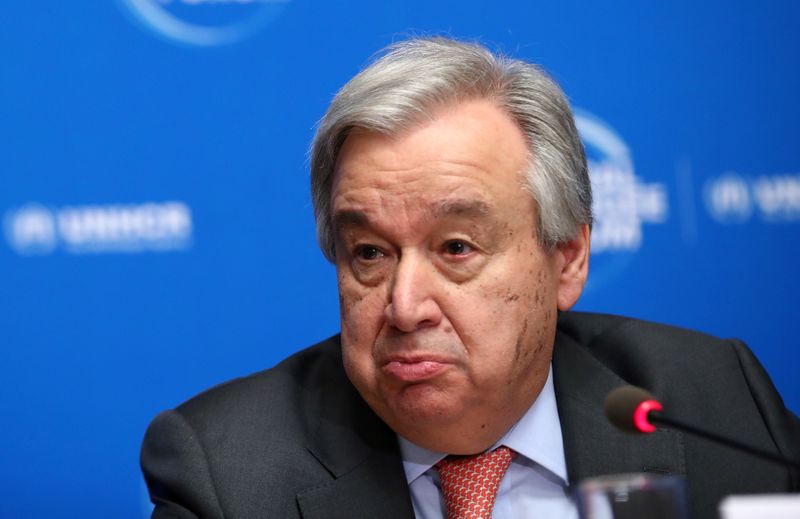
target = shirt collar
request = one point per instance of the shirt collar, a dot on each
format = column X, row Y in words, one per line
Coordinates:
column 536, row 436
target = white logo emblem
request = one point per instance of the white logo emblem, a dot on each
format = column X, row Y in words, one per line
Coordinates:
column 622, row 202
column 728, row 198
column 205, row 22
column 31, row 230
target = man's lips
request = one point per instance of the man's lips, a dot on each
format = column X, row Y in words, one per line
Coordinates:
column 414, row 369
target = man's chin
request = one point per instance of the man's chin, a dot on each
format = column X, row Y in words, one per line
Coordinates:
column 421, row 407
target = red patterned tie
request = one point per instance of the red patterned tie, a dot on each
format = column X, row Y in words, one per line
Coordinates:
column 470, row 483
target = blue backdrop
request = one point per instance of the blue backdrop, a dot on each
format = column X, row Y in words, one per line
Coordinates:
column 157, row 235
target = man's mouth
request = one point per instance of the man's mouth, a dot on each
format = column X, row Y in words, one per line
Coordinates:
column 414, row 369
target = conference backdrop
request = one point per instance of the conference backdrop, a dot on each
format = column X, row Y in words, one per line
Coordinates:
column 156, row 235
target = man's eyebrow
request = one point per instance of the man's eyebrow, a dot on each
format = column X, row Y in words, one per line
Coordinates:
column 452, row 207
column 461, row 207
column 350, row 218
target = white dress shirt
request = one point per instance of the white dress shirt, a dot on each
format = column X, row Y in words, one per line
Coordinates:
column 536, row 482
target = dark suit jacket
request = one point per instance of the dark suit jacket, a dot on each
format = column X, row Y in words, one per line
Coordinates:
column 298, row 441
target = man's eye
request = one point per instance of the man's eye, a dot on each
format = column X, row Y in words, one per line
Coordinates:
column 368, row 252
column 457, row 248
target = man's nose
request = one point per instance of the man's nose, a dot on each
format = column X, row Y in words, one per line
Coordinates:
column 412, row 304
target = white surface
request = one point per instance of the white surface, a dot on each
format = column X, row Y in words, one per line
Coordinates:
column 772, row 506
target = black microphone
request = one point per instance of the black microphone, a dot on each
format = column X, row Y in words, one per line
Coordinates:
column 634, row 410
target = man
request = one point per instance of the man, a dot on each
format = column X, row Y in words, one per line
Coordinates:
column 451, row 192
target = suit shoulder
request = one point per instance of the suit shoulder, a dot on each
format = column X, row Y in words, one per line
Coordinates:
column 290, row 385
column 243, row 446
column 640, row 351
column 596, row 330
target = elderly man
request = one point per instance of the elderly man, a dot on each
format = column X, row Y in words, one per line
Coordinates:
column 451, row 192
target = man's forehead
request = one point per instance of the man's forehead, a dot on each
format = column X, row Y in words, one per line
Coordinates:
column 468, row 162
column 473, row 135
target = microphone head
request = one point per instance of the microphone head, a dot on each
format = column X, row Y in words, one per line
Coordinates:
column 627, row 407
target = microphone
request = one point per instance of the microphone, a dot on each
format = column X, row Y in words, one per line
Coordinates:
column 634, row 410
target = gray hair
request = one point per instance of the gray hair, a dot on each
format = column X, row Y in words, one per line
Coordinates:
column 413, row 78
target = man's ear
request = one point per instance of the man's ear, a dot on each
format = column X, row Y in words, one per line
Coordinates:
column 573, row 260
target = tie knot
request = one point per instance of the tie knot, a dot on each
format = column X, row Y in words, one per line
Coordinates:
column 470, row 483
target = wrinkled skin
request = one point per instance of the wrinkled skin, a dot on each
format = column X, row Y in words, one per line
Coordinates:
column 448, row 301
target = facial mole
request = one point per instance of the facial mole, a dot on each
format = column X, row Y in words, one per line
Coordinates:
column 448, row 329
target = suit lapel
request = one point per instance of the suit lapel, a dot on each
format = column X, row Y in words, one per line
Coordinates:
column 362, row 455
column 592, row 445
column 374, row 488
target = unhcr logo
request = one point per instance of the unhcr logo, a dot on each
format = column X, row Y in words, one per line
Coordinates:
column 34, row 229
column 204, row 22
column 732, row 198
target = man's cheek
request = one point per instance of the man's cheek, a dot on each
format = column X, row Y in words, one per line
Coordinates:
column 351, row 292
column 362, row 313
